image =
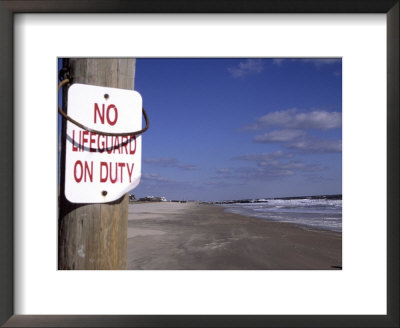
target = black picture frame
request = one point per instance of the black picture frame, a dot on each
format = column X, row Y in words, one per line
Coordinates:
column 10, row 7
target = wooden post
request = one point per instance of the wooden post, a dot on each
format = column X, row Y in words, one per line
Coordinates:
column 94, row 236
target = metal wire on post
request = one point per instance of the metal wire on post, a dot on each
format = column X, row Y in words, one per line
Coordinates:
column 68, row 118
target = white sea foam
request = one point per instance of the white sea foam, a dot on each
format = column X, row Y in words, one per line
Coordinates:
column 324, row 214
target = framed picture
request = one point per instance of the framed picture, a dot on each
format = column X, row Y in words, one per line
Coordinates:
column 181, row 298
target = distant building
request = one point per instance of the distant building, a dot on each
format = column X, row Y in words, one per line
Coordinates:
column 153, row 199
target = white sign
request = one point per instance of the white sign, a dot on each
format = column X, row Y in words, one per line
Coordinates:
column 101, row 168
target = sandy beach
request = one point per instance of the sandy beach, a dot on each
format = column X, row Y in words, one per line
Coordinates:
column 192, row 236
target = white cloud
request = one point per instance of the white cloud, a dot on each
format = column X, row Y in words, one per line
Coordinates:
column 247, row 67
column 279, row 160
column 169, row 162
column 318, row 62
column 316, row 145
column 154, row 177
column 300, row 141
column 318, row 178
column 294, row 119
column 279, row 136
column 272, row 167
column 264, row 156
column 278, row 61
column 224, row 171
column 217, row 182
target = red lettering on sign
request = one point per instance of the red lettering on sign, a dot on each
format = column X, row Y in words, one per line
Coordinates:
column 132, row 151
column 100, row 114
column 109, row 171
column 89, row 172
column 100, row 145
column 92, row 141
column 74, row 148
column 103, row 167
column 125, row 144
column 121, row 165
column 116, row 145
column 109, row 150
column 130, row 171
column 115, row 114
column 97, row 111
column 116, row 174
column 84, row 139
column 83, row 171
column 80, row 140
column 78, row 178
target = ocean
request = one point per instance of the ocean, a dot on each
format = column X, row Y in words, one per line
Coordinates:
column 315, row 213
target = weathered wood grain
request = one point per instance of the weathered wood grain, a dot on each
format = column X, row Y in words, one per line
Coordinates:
column 94, row 236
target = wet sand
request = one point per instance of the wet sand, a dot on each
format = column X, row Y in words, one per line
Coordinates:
column 191, row 236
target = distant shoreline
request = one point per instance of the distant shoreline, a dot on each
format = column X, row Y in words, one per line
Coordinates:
column 249, row 200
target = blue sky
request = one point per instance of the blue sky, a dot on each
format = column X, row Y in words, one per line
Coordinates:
column 240, row 128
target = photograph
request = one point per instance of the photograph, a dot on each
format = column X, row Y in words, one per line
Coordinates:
column 220, row 164
column 200, row 163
